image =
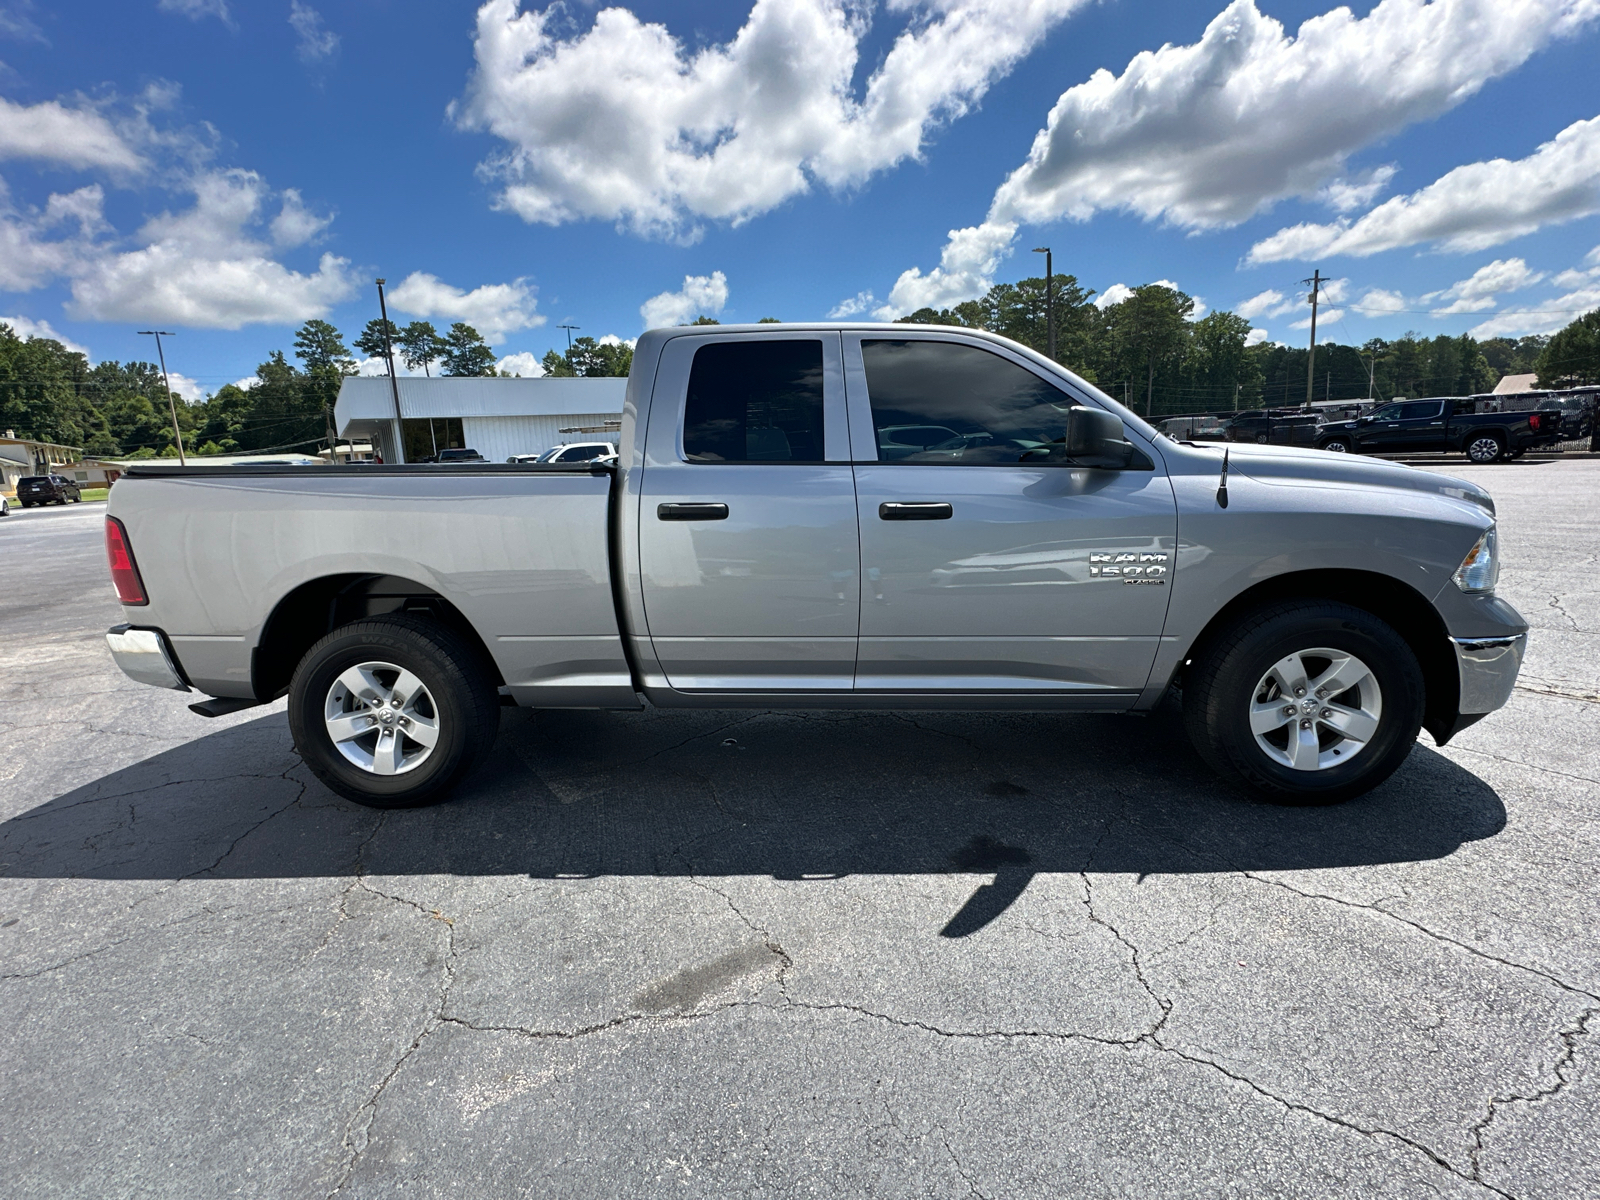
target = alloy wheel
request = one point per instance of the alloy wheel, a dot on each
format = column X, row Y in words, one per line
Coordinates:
column 1315, row 709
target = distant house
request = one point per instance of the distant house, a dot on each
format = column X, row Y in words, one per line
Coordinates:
column 1511, row 385
column 499, row 418
column 22, row 456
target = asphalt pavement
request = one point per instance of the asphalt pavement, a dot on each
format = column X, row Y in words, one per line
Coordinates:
column 779, row 955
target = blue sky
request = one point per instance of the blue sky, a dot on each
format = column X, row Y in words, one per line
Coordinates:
column 227, row 169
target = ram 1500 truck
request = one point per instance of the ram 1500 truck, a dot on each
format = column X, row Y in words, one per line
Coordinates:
column 1413, row 426
column 830, row 516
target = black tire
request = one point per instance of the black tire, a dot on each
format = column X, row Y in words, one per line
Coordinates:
column 1219, row 688
column 1262, row 439
column 461, row 686
column 1485, row 448
column 1338, row 445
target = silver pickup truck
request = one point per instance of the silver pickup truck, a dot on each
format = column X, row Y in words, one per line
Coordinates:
column 830, row 516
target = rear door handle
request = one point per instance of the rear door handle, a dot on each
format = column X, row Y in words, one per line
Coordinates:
column 692, row 512
column 914, row 510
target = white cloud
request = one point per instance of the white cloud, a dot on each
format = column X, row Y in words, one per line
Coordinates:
column 1256, row 336
column 1270, row 303
column 1206, row 135
column 966, row 269
column 1473, row 207
column 16, row 23
column 611, row 339
column 495, row 310
column 317, row 45
column 250, row 381
column 27, row 327
column 1325, row 316
column 295, row 224
column 29, row 255
column 1478, row 293
column 524, row 363
column 1380, row 302
column 67, row 137
column 376, row 366
column 197, row 9
column 1115, row 294
column 204, row 267
column 1346, row 195
column 623, row 122
column 702, row 295
column 859, row 303
column 1541, row 317
column 185, row 386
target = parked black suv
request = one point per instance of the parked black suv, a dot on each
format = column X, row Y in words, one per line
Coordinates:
column 46, row 489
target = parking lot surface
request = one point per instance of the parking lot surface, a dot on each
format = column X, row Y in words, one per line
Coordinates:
column 790, row 955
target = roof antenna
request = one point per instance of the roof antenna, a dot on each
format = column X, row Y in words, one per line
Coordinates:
column 1222, row 484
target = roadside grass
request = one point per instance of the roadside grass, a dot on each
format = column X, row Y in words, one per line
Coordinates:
column 95, row 493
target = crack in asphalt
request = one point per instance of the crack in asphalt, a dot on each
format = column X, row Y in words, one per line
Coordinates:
column 972, row 1184
column 1561, row 692
column 1555, row 603
column 1561, row 1070
column 1443, row 938
column 767, row 940
column 1517, row 762
column 1163, row 1005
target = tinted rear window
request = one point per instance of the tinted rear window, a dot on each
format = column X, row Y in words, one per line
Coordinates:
column 757, row 401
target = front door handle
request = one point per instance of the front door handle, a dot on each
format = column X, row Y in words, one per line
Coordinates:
column 915, row 510
column 692, row 512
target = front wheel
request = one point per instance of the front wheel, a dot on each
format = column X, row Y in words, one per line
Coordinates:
column 1485, row 448
column 1338, row 446
column 1305, row 702
column 394, row 711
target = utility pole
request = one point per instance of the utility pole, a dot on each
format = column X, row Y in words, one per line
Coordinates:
column 1311, row 365
column 1049, row 300
column 394, row 384
column 172, row 404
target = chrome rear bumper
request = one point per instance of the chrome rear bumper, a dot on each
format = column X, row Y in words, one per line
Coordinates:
column 143, row 655
column 1488, row 668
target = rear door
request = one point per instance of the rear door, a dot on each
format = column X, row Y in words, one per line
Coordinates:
column 748, row 547
column 986, row 565
column 1421, row 426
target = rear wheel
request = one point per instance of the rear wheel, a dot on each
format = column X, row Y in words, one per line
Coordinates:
column 393, row 712
column 1485, row 448
column 1305, row 702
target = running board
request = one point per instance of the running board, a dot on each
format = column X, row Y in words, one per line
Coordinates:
column 221, row 706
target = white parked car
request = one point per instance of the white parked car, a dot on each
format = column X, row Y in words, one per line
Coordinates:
column 569, row 452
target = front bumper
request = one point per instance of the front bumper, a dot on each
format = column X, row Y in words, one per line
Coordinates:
column 145, row 656
column 1488, row 669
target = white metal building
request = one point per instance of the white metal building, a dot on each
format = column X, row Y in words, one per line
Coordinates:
column 496, row 417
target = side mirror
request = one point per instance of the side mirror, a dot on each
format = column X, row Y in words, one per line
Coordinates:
column 1095, row 438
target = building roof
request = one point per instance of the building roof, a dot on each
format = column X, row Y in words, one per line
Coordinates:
column 368, row 398
column 1512, row 384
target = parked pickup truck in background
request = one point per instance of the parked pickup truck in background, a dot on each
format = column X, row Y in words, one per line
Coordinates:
column 831, row 516
column 1413, row 426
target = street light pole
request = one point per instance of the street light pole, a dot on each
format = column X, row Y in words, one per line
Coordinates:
column 394, row 384
column 172, row 405
column 1049, row 300
column 569, row 329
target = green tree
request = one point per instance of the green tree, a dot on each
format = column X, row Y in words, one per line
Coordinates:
column 1218, row 371
column 421, row 346
column 466, row 353
column 1572, row 356
column 1149, row 332
column 328, row 361
column 703, row 320
column 770, row 321
column 285, row 411
column 1513, row 356
column 588, row 358
column 41, row 391
column 372, row 343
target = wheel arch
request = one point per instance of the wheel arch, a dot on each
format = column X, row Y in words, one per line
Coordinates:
column 319, row 606
column 1396, row 603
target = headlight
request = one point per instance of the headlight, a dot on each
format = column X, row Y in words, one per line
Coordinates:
column 1480, row 569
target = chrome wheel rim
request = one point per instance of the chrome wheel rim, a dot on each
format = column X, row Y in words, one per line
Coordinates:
column 1337, row 447
column 1484, row 450
column 1315, row 709
column 381, row 718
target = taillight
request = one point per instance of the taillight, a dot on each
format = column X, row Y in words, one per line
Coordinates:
column 124, row 571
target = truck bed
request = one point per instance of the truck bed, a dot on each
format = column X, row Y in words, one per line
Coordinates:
column 520, row 551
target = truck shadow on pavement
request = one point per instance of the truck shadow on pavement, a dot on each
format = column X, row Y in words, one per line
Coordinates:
column 785, row 795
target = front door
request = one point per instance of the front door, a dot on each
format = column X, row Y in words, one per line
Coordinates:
column 748, row 550
column 988, row 563
column 1380, row 431
column 1421, row 426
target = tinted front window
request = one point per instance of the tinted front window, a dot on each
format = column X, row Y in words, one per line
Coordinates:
column 940, row 402
column 757, row 401
column 1389, row 412
column 1419, row 410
